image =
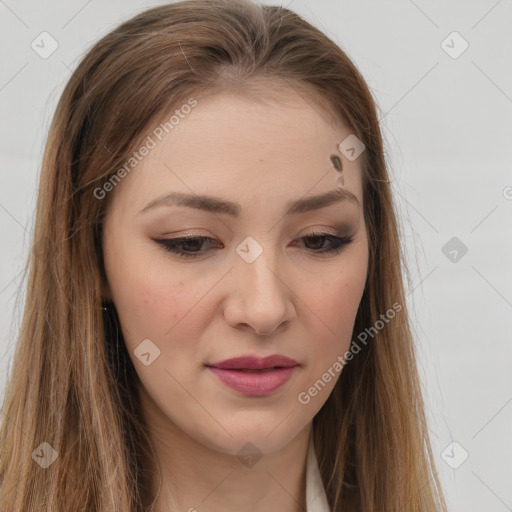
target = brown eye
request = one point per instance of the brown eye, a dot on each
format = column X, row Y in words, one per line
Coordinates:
column 186, row 246
column 337, row 243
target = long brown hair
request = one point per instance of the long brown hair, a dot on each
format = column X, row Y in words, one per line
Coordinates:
column 72, row 383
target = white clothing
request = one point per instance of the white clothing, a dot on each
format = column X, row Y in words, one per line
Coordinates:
column 316, row 499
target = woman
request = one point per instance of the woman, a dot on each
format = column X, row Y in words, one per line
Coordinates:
column 215, row 315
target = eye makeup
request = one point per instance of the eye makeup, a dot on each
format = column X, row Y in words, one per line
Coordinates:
column 337, row 243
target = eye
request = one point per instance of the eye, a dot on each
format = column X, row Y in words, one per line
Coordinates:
column 190, row 246
column 338, row 243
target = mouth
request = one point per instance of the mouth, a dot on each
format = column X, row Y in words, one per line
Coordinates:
column 249, row 363
column 252, row 376
column 250, row 370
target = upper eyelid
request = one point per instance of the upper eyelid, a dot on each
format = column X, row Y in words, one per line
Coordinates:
column 310, row 234
column 338, row 243
column 338, row 238
column 339, row 229
column 313, row 232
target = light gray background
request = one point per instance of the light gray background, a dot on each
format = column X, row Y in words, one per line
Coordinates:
column 448, row 126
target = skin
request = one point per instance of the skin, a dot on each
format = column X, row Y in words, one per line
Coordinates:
column 291, row 300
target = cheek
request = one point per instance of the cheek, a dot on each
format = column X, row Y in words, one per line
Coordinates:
column 335, row 298
column 334, row 307
column 331, row 305
column 331, row 329
column 150, row 299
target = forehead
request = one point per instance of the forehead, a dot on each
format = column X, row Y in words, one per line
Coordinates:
column 229, row 142
column 271, row 122
column 283, row 129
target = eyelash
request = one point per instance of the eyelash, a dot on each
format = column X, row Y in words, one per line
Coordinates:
column 169, row 244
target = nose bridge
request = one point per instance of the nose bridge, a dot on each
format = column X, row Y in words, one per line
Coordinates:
column 258, row 263
column 260, row 297
column 258, row 266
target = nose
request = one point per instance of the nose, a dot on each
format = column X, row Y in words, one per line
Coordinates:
column 260, row 297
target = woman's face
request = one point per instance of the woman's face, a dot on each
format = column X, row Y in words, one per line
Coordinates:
column 254, row 286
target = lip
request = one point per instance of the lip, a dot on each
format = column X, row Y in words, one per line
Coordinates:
column 253, row 376
column 255, row 363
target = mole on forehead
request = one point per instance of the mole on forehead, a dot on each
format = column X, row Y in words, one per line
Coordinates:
column 338, row 167
column 338, row 163
column 351, row 148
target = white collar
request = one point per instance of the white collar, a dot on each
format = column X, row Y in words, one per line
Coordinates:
column 316, row 499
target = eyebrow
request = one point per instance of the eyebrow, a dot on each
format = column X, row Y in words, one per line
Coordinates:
column 217, row 205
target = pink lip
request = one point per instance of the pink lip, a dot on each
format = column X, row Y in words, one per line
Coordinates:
column 255, row 363
column 274, row 372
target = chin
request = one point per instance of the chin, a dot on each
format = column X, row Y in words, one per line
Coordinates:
column 263, row 435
